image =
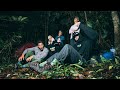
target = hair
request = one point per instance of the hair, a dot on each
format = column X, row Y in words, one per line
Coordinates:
column 76, row 18
column 40, row 42
column 60, row 30
column 76, row 35
column 49, row 36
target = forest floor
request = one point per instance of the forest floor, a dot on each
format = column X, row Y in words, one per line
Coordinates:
column 105, row 70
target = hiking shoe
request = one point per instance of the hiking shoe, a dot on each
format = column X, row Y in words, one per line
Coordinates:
column 16, row 66
column 36, row 67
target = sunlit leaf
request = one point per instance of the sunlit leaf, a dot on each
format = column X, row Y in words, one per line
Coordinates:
column 99, row 70
column 24, row 18
column 19, row 18
column 76, row 75
column 77, row 66
column 27, row 74
column 116, row 61
column 8, row 75
column 110, row 67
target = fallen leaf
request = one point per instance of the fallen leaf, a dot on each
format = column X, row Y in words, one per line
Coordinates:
column 14, row 78
column 88, row 73
column 93, row 78
column 8, row 75
column 15, row 74
column 31, row 78
column 27, row 74
column 75, row 75
column 81, row 76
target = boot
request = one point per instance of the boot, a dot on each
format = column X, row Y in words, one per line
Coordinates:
column 36, row 67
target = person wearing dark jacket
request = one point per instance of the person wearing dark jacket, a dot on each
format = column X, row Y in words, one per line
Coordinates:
column 85, row 42
column 53, row 46
column 60, row 39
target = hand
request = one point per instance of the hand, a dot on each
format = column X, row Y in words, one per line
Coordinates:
column 29, row 59
column 52, row 49
column 21, row 57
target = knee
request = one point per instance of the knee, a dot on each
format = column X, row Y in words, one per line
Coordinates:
column 67, row 45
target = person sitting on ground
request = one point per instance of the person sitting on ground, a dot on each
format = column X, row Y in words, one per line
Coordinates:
column 51, row 45
column 67, row 55
column 34, row 54
column 60, row 38
column 80, row 51
column 85, row 41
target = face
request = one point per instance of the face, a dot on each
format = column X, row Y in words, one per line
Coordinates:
column 59, row 33
column 76, row 38
column 76, row 20
column 50, row 38
column 40, row 46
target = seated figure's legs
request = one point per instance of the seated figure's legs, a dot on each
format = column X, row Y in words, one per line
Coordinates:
column 67, row 51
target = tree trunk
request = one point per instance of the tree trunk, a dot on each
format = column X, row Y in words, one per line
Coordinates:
column 46, row 26
column 116, row 22
column 85, row 16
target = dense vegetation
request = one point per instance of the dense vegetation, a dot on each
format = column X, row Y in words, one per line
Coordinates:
column 19, row 27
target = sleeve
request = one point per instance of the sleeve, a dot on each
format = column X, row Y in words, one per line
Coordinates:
column 62, row 38
column 43, row 55
column 28, row 49
column 88, row 32
column 70, row 30
column 56, row 38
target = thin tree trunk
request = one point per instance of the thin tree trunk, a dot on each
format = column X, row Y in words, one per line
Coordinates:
column 46, row 26
column 85, row 16
column 116, row 22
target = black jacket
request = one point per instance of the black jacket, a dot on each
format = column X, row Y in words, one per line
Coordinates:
column 53, row 48
column 86, row 42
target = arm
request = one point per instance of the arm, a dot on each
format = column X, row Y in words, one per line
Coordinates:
column 74, row 28
column 23, row 54
column 70, row 30
column 29, row 49
column 62, row 38
column 56, row 38
column 43, row 55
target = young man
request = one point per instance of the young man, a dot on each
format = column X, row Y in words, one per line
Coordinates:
column 34, row 54
column 67, row 55
column 85, row 41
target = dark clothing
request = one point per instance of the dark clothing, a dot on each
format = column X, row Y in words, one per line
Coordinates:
column 67, row 55
column 54, row 48
column 86, row 42
column 62, row 39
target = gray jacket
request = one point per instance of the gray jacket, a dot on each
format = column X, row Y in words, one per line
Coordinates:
column 38, row 53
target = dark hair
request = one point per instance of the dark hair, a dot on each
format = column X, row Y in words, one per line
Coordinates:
column 75, row 35
column 40, row 42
